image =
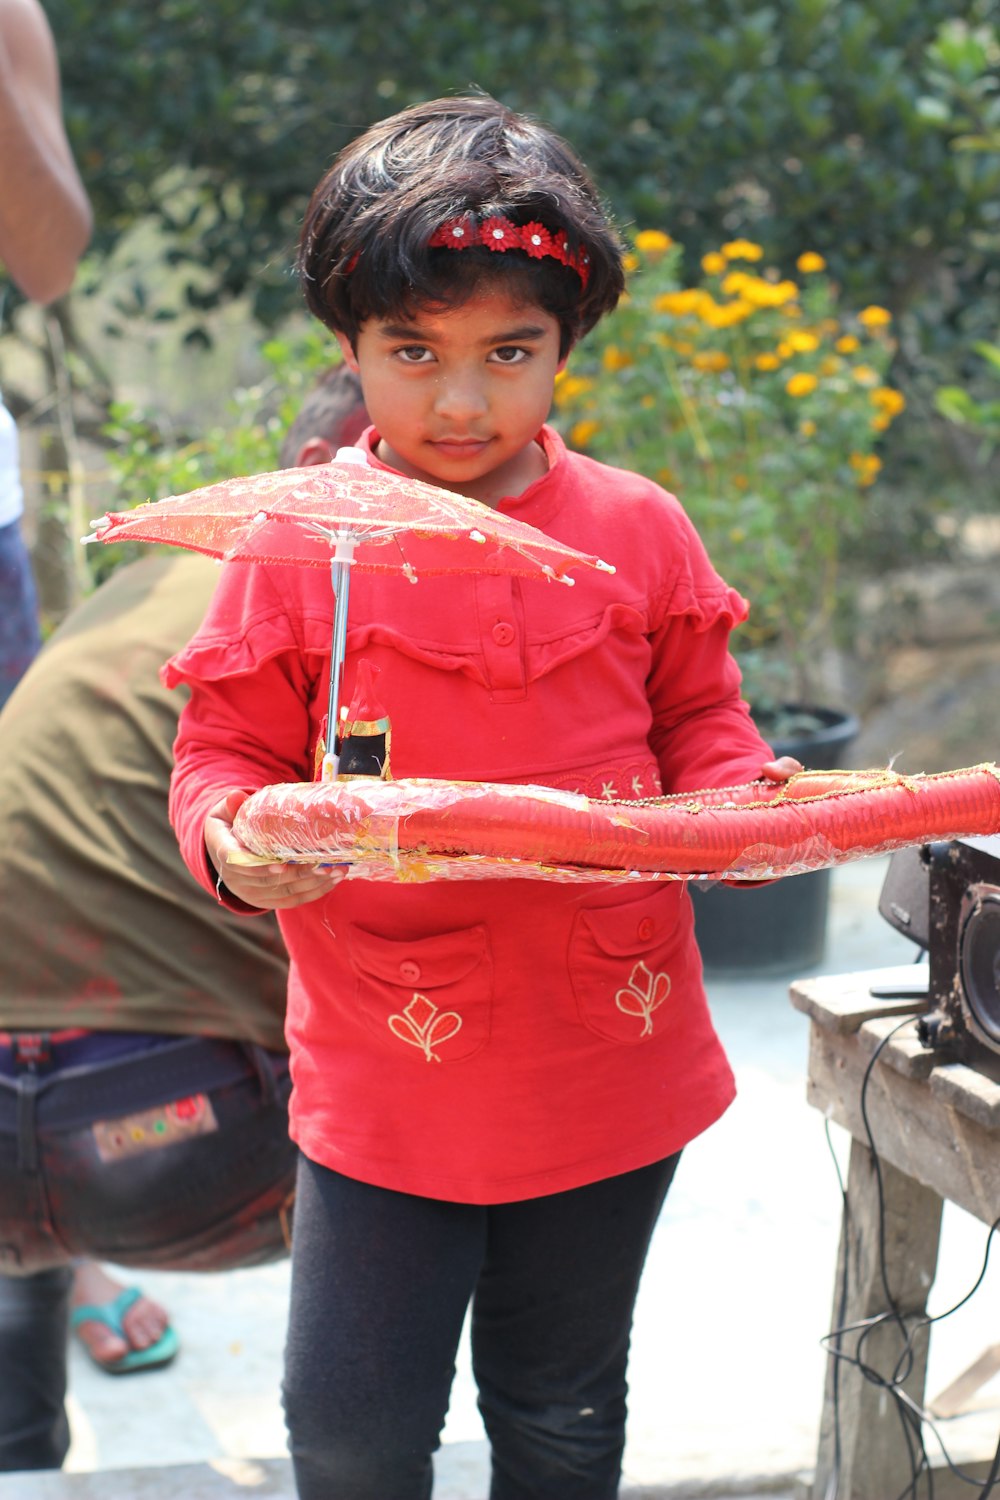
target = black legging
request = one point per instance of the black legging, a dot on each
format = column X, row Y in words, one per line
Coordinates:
column 380, row 1285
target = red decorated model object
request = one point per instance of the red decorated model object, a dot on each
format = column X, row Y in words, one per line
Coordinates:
column 347, row 514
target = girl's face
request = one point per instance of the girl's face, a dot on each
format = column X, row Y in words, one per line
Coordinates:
column 458, row 395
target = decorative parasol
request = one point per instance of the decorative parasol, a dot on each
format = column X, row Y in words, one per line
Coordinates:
column 346, row 514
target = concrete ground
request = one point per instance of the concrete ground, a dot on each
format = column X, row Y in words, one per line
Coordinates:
column 727, row 1367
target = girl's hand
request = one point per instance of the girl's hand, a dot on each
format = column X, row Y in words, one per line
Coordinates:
column 272, row 887
column 781, row 769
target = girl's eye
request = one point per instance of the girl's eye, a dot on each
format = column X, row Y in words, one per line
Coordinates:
column 414, row 354
column 510, row 354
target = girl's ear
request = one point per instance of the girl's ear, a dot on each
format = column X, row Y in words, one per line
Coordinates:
column 350, row 358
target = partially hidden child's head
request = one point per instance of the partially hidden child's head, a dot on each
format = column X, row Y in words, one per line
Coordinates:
column 331, row 416
column 429, row 206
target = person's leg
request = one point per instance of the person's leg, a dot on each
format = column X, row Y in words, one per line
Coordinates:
column 34, row 1314
column 143, row 1323
column 552, row 1318
column 380, row 1284
column 19, row 635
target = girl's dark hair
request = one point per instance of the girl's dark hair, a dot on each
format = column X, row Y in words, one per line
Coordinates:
column 364, row 249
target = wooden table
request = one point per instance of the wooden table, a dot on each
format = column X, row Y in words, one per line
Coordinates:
column 936, row 1131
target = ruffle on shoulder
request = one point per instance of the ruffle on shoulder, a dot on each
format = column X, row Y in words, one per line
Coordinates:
column 706, row 601
column 214, row 655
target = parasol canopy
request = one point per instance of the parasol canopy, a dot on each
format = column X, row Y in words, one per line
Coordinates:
column 347, row 514
column 298, row 516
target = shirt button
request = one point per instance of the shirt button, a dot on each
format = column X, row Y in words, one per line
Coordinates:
column 409, row 970
column 503, row 633
column 646, row 929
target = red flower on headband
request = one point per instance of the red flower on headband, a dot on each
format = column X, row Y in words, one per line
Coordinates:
column 499, row 234
column 454, row 234
column 562, row 251
column 536, row 240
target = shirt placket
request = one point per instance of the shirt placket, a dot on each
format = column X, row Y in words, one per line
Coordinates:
column 502, row 637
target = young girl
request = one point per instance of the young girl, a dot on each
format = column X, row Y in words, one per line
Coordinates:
column 493, row 1078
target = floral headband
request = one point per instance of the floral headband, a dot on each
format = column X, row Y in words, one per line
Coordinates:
column 498, row 233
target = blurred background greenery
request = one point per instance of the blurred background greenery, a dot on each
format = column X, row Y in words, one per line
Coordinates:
column 865, row 132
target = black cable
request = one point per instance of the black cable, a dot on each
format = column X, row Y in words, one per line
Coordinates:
column 913, row 1418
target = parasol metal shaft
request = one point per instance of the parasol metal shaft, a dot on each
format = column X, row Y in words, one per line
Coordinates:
column 340, row 575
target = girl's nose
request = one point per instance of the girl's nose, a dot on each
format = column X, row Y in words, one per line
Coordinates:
column 460, row 396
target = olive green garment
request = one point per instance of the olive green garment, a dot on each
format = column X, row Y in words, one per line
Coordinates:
column 101, row 925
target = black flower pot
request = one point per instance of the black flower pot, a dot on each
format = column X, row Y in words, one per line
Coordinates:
column 779, row 928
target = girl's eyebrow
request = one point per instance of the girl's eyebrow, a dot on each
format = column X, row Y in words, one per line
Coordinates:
column 524, row 334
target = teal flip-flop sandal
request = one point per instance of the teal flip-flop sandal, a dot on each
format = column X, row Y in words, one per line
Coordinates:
column 112, row 1315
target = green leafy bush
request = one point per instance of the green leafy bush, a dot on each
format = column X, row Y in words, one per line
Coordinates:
column 761, row 403
column 149, row 461
column 979, row 417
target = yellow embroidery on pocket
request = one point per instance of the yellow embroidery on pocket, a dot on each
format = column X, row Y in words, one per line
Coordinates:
column 423, row 1025
column 646, row 992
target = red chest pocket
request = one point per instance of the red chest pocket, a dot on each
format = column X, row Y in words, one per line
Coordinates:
column 430, row 998
column 628, row 962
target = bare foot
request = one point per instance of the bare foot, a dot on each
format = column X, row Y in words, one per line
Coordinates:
column 144, row 1323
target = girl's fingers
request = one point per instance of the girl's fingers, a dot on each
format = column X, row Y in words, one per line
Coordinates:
column 274, row 887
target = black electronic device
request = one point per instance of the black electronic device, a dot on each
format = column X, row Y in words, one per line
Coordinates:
column 946, row 897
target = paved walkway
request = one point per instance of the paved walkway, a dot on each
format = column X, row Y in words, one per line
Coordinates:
column 727, row 1368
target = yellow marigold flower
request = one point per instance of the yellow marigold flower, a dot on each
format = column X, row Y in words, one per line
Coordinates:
column 767, row 361
column 653, row 241
column 874, row 317
column 614, row 358
column 880, row 422
column 887, row 400
column 581, row 433
column 570, row 388
column 808, row 428
column 801, row 384
column 809, row 261
column 725, row 314
column 741, row 482
column 713, row 264
column 866, row 466
column 648, row 402
column 847, row 344
column 742, row 250
column 711, row 360
column 767, row 293
column 680, row 303
column 630, row 262
column 785, row 350
column 802, row 341
column 735, row 282
column 865, row 375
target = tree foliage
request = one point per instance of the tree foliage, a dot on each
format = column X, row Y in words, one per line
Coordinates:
column 821, row 123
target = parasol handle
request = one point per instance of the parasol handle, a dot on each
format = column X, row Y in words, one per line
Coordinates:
column 340, row 577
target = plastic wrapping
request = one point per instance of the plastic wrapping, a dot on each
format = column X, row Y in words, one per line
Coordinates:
column 433, row 830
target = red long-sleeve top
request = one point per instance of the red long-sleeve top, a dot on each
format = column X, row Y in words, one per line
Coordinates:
column 490, row 1040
